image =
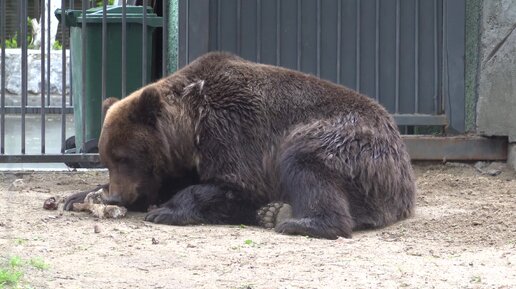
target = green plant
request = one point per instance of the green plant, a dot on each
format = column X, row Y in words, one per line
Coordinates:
column 57, row 45
column 38, row 263
column 98, row 3
column 15, row 261
column 12, row 42
column 9, row 277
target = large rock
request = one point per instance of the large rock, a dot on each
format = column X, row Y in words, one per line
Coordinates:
column 13, row 71
column 496, row 104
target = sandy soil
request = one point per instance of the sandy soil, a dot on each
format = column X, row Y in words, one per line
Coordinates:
column 463, row 236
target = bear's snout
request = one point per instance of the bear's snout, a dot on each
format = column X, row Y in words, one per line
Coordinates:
column 111, row 199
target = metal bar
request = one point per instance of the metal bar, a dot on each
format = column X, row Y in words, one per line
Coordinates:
column 459, row 148
column 436, row 63
column 8, row 109
column 453, row 54
column 104, row 49
column 164, row 65
column 83, row 59
column 258, row 30
column 420, row 119
column 219, row 29
column 48, row 52
column 357, row 48
column 397, row 85
column 377, row 52
column 63, row 77
column 318, row 36
column 144, row 44
column 299, row 41
column 339, row 39
column 278, row 32
column 239, row 26
column 23, row 41
column 72, row 6
column 124, row 48
column 187, row 31
column 416, row 57
column 42, row 71
column 2, row 72
column 49, row 158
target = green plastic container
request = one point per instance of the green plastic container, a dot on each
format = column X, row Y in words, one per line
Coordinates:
column 93, row 69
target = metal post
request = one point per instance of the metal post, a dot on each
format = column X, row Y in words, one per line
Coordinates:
column 397, row 86
column 164, row 67
column 339, row 40
column 124, row 48
column 23, row 41
column 187, row 31
column 2, row 72
column 104, row 48
column 318, row 35
column 299, row 41
column 42, row 80
column 63, row 77
column 278, row 31
column 357, row 48
column 48, row 53
column 84, row 38
column 416, row 57
column 436, row 63
column 377, row 53
column 144, row 44
column 239, row 26
column 258, row 30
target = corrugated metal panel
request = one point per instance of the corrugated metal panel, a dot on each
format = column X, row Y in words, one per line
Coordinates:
column 391, row 50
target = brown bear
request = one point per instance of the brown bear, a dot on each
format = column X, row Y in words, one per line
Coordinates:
column 223, row 137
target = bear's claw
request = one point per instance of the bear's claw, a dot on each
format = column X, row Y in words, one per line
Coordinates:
column 273, row 214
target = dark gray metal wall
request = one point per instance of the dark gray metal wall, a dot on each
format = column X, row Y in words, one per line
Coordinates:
column 408, row 54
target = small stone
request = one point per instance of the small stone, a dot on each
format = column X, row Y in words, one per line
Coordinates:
column 97, row 228
column 17, row 185
column 154, row 241
column 50, row 204
column 493, row 172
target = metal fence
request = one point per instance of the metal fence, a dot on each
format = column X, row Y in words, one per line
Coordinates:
column 15, row 145
column 408, row 54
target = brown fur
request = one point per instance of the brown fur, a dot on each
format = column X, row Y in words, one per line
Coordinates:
column 245, row 134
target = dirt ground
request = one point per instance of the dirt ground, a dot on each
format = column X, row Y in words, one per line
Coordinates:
column 463, row 236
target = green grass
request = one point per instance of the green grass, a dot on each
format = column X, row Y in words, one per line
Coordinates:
column 10, row 275
column 38, row 263
column 15, row 261
column 11, row 271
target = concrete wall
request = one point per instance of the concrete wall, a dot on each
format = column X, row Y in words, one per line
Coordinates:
column 496, row 106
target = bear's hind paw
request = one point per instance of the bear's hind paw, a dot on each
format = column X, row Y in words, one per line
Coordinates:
column 272, row 214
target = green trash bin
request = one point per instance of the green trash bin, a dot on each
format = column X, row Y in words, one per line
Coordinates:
column 93, row 70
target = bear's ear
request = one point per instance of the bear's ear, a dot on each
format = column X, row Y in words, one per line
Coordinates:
column 107, row 103
column 147, row 107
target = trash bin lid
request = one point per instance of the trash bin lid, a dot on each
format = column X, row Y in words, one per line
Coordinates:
column 133, row 14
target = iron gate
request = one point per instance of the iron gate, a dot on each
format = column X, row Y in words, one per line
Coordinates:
column 408, row 54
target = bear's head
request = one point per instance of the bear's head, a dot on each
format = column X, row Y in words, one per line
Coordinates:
column 139, row 147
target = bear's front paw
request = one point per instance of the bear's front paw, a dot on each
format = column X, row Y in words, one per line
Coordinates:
column 168, row 216
column 272, row 214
